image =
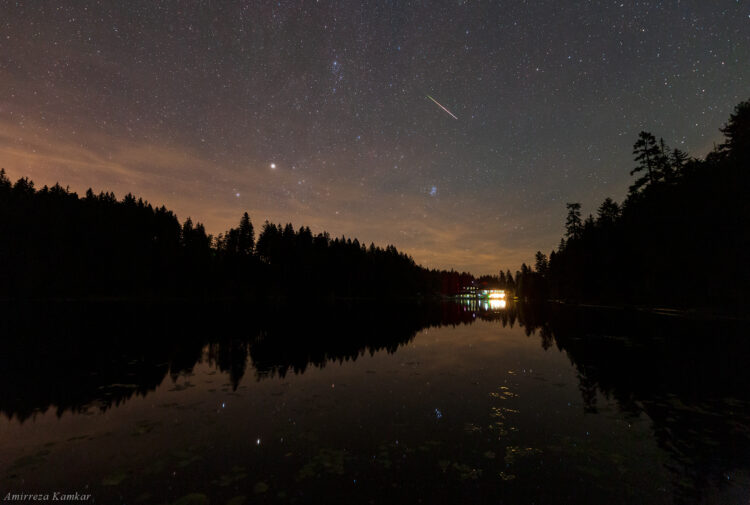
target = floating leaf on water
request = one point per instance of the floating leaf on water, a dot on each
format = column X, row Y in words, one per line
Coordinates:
column 188, row 461
column 513, row 451
column 466, row 472
column 237, row 500
column 192, row 499
column 144, row 427
column 616, row 458
column 332, row 460
column 260, row 487
column 228, row 480
column 472, row 428
column 155, row 467
column 29, row 461
column 507, row 476
column 306, row 471
column 114, row 479
column 590, row 470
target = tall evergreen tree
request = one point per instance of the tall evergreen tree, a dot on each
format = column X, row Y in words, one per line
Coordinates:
column 542, row 264
column 573, row 224
column 4, row 181
column 678, row 160
column 608, row 212
column 647, row 155
column 663, row 164
column 509, row 282
column 246, row 236
column 737, row 133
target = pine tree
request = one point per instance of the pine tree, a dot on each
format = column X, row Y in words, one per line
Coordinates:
column 246, row 236
column 647, row 155
column 608, row 212
column 737, row 134
column 677, row 160
column 573, row 224
column 542, row 264
column 4, row 181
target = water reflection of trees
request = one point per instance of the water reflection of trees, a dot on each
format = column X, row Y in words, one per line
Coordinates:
column 72, row 357
column 688, row 376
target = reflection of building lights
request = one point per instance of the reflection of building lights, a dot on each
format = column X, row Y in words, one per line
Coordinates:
column 497, row 304
column 497, row 295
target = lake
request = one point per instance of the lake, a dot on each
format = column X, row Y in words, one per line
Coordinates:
column 361, row 403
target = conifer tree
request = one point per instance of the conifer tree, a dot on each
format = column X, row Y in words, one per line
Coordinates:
column 647, row 155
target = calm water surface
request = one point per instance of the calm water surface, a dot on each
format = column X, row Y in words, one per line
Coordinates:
column 373, row 404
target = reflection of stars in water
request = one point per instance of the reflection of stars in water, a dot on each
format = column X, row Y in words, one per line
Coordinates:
column 433, row 191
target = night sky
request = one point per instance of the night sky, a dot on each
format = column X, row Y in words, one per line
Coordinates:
column 318, row 112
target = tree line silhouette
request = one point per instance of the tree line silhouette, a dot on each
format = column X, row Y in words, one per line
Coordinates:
column 680, row 237
column 56, row 244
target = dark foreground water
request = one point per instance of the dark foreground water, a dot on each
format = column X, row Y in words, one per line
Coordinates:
column 372, row 404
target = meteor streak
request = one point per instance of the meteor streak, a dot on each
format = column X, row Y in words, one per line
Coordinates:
column 440, row 105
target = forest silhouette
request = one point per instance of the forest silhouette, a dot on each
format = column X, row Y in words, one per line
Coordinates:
column 680, row 238
column 57, row 245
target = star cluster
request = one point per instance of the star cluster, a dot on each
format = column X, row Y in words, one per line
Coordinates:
column 317, row 112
